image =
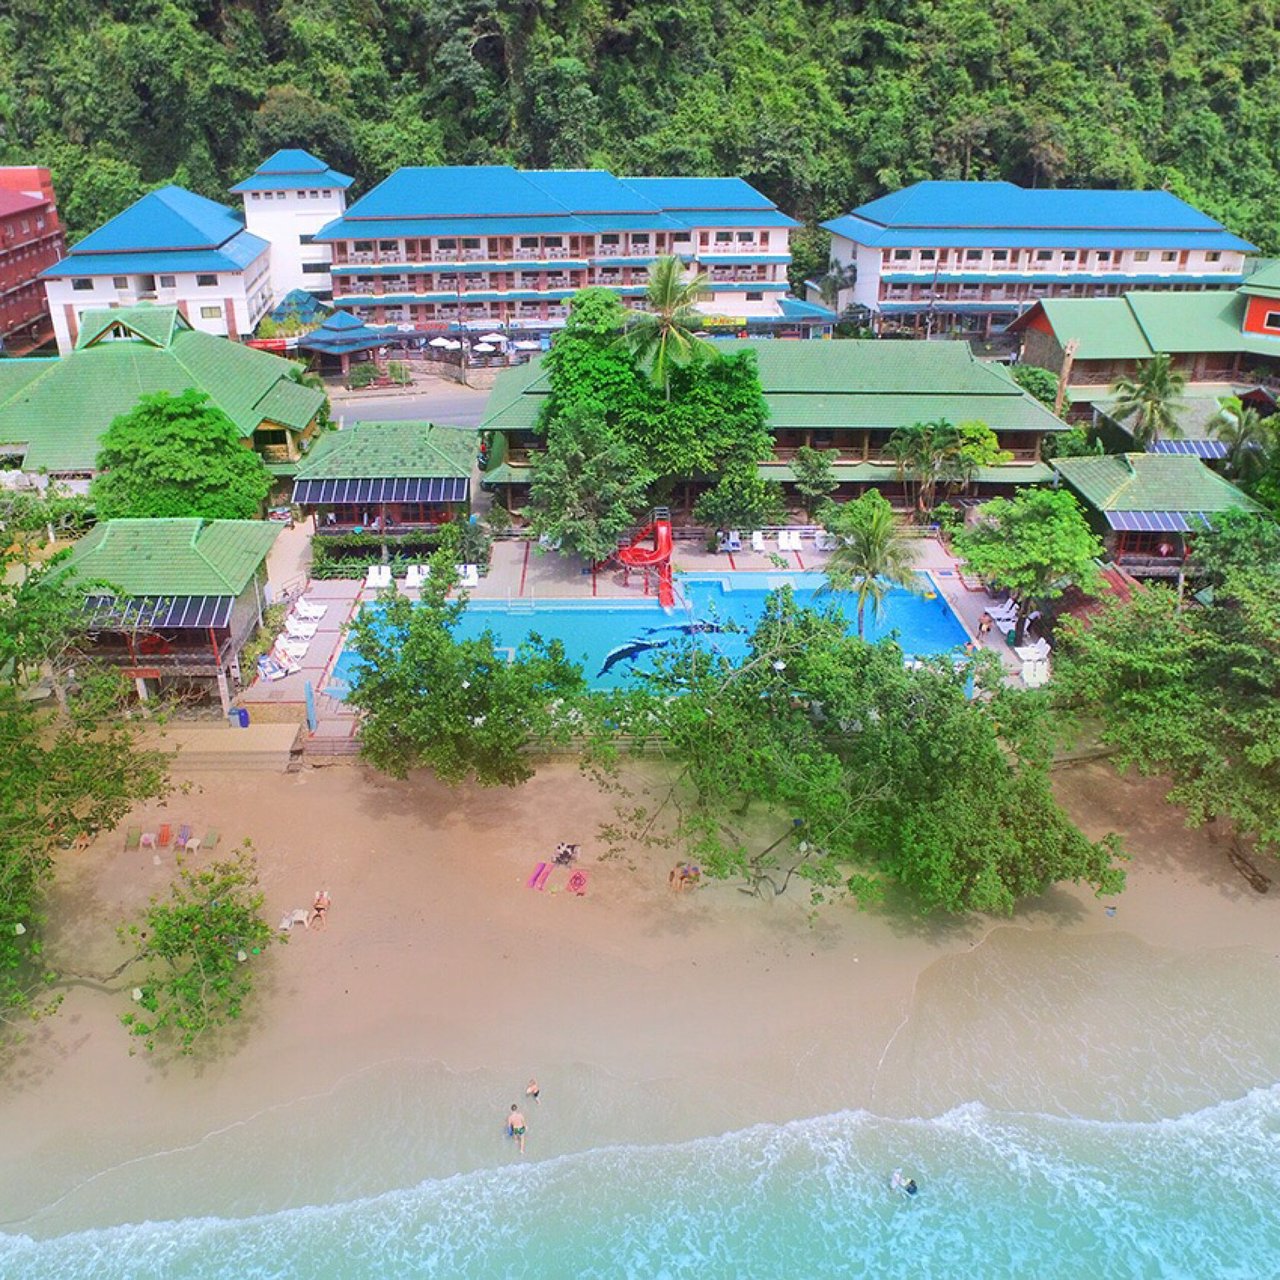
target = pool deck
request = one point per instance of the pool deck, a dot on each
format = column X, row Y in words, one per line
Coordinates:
column 519, row 570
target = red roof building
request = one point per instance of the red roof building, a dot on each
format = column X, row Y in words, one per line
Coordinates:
column 31, row 239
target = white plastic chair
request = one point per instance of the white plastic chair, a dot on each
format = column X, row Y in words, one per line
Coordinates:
column 468, row 576
column 757, row 542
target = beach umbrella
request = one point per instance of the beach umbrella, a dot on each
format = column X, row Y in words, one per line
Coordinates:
column 492, row 337
column 483, row 346
column 452, row 344
column 442, row 342
column 528, row 346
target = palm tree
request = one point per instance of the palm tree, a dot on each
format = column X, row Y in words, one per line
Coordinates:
column 873, row 555
column 1151, row 399
column 1248, row 438
column 304, row 377
column 927, row 451
column 663, row 333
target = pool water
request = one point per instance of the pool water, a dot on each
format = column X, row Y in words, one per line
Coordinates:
column 615, row 640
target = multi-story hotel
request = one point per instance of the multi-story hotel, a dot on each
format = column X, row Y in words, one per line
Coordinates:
column 287, row 199
column 495, row 246
column 31, row 239
column 173, row 247
column 969, row 257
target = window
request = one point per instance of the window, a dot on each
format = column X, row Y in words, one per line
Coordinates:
column 724, row 237
column 640, row 238
column 268, row 195
column 973, row 255
column 1213, row 257
column 901, row 255
column 755, row 297
column 366, row 246
column 1104, row 255
column 1141, row 255
column 1044, row 255
column 551, row 242
column 999, row 255
column 207, row 281
column 306, row 239
column 167, row 282
column 678, row 237
column 928, row 255
column 119, row 282
column 1068, row 255
column 81, row 285
column 253, row 195
column 1169, row 256
column 745, row 237
column 326, row 194
column 528, row 242
column 1271, row 320
column 40, row 223
column 314, row 268
column 210, row 313
column 390, row 246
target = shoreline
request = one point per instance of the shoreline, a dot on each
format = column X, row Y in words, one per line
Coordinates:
column 382, row 1050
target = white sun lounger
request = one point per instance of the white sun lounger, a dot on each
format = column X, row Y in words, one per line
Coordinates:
column 296, row 649
column 309, row 612
column 733, row 541
column 379, row 575
column 468, row 576
column 297, row 630
column 416, row 574
column 757, row 542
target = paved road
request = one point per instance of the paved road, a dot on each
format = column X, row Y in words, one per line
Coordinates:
column 433, row 400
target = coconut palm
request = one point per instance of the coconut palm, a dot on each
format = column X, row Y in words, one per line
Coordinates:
column 1148, row 403
column 928, row 452
column 873, row 555
column 1248, row 438
column 662, row 334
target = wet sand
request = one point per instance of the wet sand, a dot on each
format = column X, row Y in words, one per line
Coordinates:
column 386, row 1048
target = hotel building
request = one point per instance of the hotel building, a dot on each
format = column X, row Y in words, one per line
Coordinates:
column 31, row 239
column 969, row 257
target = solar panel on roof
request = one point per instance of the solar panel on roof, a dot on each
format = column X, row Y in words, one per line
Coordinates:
column 421, row 489
column 150, row 613
column 1194, row 448
column 1157, row 521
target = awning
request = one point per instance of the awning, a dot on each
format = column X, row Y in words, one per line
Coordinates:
column 1195, row 448
column 151, row 613
column 421, row 489
column 1158, row 521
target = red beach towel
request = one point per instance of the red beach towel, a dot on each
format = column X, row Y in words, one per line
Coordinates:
column 577, row 883
column 539, row 878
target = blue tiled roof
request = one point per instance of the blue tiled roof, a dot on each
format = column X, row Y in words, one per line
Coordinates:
column 300, row 303
column 170, row 218
column 464, row 268
column 1002, row 214
column 749, row 259
column 458, row 200
column 236, row 254
column 986, row 276
column 700, row 193
column 292, row 170
column 795, row 309
column 768, row 286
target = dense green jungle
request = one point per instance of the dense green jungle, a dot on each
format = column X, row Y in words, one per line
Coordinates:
column 821, row 105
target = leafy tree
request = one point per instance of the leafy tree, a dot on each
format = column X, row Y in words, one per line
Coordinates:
column 934, row 454
column 1035, row 544
column 1148, row 402
column 1038, row 382
column 430, row 699
column 741, row 499
column 1241, row 544
column 873, row 556
column 199, row 951
column 815, row 476
column 1078, row 442
column 178, row 456
column 587, row 486
column 1249, row 439
column 663, row 334
column 822, row 758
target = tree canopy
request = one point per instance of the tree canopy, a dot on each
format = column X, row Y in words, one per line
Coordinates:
column 178, row 456
column 822, row 106
column 872, row 556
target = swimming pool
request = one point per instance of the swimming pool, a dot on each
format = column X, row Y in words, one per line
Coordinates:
column 614, row 640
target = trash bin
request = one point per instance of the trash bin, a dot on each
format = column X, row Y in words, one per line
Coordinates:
column 243, row 716
column 1009, row 637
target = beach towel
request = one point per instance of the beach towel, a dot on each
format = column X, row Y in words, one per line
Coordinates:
column 539, row 878
column 577, row 883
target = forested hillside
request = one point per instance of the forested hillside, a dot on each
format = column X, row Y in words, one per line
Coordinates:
column 822, row 105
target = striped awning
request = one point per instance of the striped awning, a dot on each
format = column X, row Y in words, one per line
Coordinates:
column 1158, row 521
column 1192, row 448
column 421, row 489
column 154, row 613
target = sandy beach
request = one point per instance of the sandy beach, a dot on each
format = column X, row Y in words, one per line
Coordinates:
column 385, row 1049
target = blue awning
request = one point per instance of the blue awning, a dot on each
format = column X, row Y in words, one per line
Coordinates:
column 421, row 489
column 1158, row 521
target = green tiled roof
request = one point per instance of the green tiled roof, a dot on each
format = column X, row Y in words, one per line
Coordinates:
column 1138, row 325
column 850, row 472
column 392, row 451
column 1151, row 482
column 1194, row 414
column 59, row 409
column 853, row 385
column 174, row 557
column 1265, row 282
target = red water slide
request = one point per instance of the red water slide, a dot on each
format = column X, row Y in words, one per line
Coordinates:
column 658, row 556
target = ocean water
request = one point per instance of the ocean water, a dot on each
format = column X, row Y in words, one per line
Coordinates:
column 1002, row 1194
column 722, row 610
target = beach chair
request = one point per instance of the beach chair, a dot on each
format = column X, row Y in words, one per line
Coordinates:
column 270, row 668
column 211, row 838
column 147, row 840
column 192, row 845
column 468, row 576
column 287, row 651
column 133, row 838
column 296, row 630
column 378, row 577
column 416, row 574
column 164, row 836
column 824, row 541
column 733, row 541
column 307, row 611
column 184, row 834
column 757, row 542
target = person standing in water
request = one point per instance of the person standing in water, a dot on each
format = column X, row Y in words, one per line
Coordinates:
column 516, row 1126
column 533, row 1091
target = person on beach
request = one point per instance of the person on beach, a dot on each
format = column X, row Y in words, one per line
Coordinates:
column 320, row 909
column 516, row 1126
column 533, row 1091
column 984, row 627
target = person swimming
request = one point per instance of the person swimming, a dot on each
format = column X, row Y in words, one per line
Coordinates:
column 906, row 1185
